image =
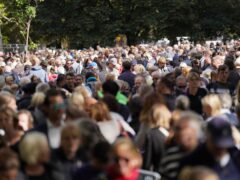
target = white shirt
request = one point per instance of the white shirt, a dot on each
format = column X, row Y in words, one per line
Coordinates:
column 54, row 135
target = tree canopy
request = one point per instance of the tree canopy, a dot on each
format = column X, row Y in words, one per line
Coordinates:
column 84, row 23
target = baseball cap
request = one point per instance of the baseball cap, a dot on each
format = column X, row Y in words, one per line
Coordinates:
column 221, row 132
column 92, row 65
column 113, row 61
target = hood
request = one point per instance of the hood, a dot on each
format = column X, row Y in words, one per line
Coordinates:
column 36, row 68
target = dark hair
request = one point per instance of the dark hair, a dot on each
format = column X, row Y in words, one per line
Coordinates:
column 168, row 82
column 110, row 87
column 101, row 152
column 111, row 102
column 60, row 78
column 89, row 74
column 90, row 133
column 222, row 68
column 74, row 112
column 127, row 65
column 8, row 160
column 51, row 93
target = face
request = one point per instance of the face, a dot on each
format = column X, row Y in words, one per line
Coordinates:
column 24, row 122
column 125, row 162
column 6, row 122
column 194, row 82
column 206, row 110
column 70, row 80
column 68, row 63
column 161, row 64
column 70, row 141
column 56, row 108
column 181, row 84
column 78, row 80
column 223, row 76
column 9, row 80
column 155, row 78
column 138, row 82
column 186, row 136
column 10, row 174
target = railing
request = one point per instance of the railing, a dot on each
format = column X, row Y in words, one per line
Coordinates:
column 14, row 48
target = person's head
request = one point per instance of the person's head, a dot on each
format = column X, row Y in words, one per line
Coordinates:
column 61, row 80
column 219, row 137
column 165, row 85
column 193, row 80
column 70, row 140
column 100, row 155
column 9, row 80
column 100, row 112
column 160, row 116
column 198, row 173
column 127, row 65
column 112, row 63
column 70, row 79
column 226, row 101
column 8, row 119
column 77, row 100
column 139, row 81
column 155, row 77
column 182, row 103
column 34, row 149
column 25, row 120
column 162, row 62
column 42, row 87
column 68, row 63
column 139, row 69
column 7, row 99
column 211, row 105
column 181, row 83
column 110, row 87
column 9, row 164
column 54, row 105
column 35, row 61
column 126, row 156
column 188, row 130
column 90, row 133
column 73, row 113
column 78, row 80
column 217, row 61
column 223, row 73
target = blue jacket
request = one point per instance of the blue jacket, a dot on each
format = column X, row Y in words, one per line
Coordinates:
column 40, row 73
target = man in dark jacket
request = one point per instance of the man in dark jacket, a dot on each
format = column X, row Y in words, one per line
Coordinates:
column 127, row 75
column 219, row 152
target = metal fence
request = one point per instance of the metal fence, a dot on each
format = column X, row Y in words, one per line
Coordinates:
column 14, row 48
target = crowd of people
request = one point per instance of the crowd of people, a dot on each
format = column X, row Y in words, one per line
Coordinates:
column 121, row 113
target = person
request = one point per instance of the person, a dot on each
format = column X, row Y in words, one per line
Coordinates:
column 211, row 106
column 181, row 84
column 37, row 70
column 9, row 165
column 99, row 162
column 35, row 155
column 25, row 120
column 195, row 92
column 218, row 152
column 156, row 137
column 7, row 99
column 127, row 75
column 111, row 126
column 222, row 84
column 163, row 68
column 66, row 157
column 126, row 161
column 138, row 82
column 187, row 136
column 55, row 109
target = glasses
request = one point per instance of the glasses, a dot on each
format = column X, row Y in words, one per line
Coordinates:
column 59, row 106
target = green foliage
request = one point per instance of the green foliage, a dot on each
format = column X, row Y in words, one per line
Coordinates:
column 84, row 23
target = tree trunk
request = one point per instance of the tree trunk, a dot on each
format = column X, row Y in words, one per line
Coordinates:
column 27, row 35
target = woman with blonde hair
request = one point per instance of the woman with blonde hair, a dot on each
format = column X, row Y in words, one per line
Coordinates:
column 127, row 160
column 211, row 106
column 156, row 137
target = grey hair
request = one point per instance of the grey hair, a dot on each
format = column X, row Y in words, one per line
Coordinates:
column 42, row 87
column 182, row 102
column 195, row 122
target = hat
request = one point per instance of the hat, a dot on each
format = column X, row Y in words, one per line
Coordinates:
column 2, row 64
column 221, row 132
column 92, row 65
column 113, row 61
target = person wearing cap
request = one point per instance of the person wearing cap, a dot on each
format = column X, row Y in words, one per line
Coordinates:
column 219, row 152
column 112, row 67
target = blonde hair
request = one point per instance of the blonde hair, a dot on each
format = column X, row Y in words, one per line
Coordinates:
column 162, row 60
column 77, row 100
column 31, row 146
column 37, row 99
column 127, row 145
column 213, row 101
column 160, row 116
column 139, row 69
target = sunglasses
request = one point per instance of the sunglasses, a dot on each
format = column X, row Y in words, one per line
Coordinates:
column 59, row 106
